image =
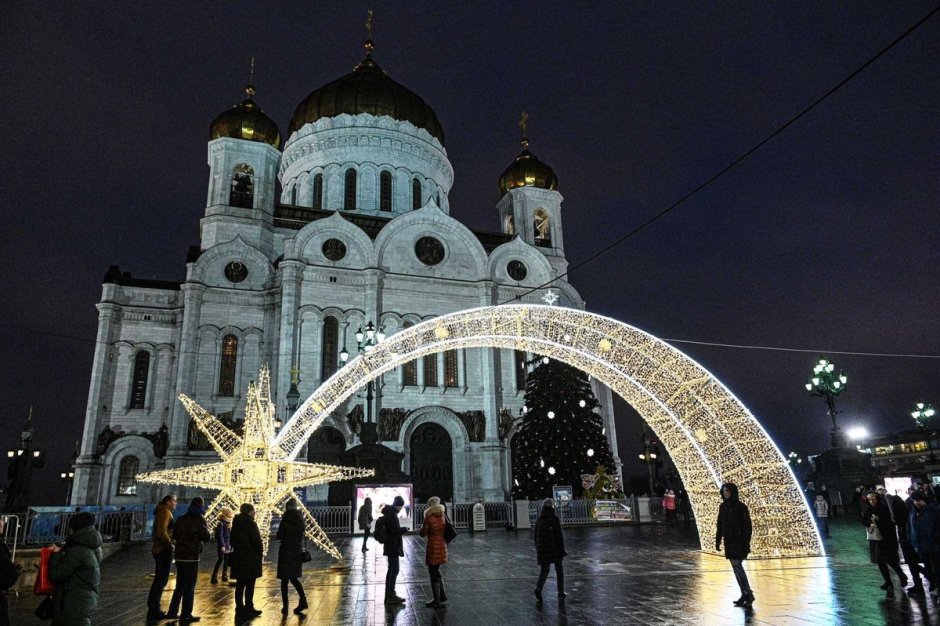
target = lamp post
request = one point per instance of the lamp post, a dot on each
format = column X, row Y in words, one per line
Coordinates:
column 21, row 461
column 824, row 383
column 365, row 342
column 922, row 414
column 648, row 456
column 67, row 478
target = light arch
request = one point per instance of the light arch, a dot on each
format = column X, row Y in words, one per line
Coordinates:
column 710, row 435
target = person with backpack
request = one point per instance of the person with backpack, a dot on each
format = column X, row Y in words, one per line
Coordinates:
column 189, row 533
column 435, row 554
column 365, row 522
column 388, row 532
column 549, row 548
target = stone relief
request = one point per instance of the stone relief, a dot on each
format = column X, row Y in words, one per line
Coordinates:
column 505, row 422
column 195, row 440
column 159, row 439
column 354, row 419
column 390, row 423
column 475, row 423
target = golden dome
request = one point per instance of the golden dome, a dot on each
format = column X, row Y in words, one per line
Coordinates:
column 247, row 121
column 367, row 89
column 527, row 171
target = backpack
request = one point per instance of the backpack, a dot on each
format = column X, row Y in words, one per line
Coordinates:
column 380, row 533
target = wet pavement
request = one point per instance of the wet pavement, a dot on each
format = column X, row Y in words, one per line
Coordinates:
column 615, row 575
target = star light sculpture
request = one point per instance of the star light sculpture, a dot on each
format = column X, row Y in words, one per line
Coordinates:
column 253, row 467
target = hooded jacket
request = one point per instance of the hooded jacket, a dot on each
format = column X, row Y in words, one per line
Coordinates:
column 76, row 572
column 291, row 534
column 393, row 546
column 433, row 529
column 190, row 532
column 734, row 525
column 247, row 547
column 549, row 540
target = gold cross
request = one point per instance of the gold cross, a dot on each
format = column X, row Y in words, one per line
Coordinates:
column 524, row 125
column 369, row 25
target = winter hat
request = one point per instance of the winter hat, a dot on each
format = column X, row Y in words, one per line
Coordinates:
column 398, row 501
column 80, row 521
column 291, row 505
column 434, row 501
column 549, row 503
column 226, row 513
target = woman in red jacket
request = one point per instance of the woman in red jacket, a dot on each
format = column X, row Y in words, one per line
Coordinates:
column 436, row 553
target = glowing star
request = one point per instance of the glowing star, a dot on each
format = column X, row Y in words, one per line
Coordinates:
column 550, row 298
column 253, row 467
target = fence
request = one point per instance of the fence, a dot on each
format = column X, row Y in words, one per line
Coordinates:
column 577, row 512
column 11, row 532
column 333, row 519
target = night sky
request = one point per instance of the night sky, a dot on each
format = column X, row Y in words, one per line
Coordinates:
column 825, row 239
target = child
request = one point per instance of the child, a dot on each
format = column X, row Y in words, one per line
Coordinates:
column 822, row 513
column 223, row 533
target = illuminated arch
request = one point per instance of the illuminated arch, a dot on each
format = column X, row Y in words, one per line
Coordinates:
column 710, row 435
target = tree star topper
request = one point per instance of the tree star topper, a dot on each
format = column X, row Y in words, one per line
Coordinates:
column 253, row 467
column 550, row 298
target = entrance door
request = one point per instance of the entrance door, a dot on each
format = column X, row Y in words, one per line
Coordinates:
column 432, row 463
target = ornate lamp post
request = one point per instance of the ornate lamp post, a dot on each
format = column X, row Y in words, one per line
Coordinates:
column 365, row 342
column 21, row 461
column 648, row 456
column 922, row 414
column 826, row 384
column 67, row 478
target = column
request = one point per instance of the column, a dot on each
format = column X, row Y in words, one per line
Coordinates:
column 291, row 277
column 186, row 372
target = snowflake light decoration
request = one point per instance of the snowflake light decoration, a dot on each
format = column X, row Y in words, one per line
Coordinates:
column 254, row 468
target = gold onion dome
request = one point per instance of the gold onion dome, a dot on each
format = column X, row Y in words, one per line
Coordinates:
column 527, row 171
column 246, row 120
column 367, row 89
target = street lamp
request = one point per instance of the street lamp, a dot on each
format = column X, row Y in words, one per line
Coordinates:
column 795, row 460
column 648, row 456
column 922, row 414
column 824, row 383
column 365, row 342
column 21, row 461
column 67, row 478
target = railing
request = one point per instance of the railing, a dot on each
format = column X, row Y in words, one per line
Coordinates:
column 333, row 519
column 44, row 527
column 417, row 515
column 577, row 512
column 463, row 515
column 11, row 533
column 657, row 512
column 498, row 514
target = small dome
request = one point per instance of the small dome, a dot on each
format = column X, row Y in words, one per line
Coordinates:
column 368, row 89
column 247, row 121
column 527, row 171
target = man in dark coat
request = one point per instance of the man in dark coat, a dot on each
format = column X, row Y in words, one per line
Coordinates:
column 189, row 533
column 924, row 533
column 289, row 564
column 393, row 548
column 247, row 549
column 549, row 548
column 734, row 529
column 8, row 575
column 900, row 517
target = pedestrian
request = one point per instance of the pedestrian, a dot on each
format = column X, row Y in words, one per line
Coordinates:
column 900, row 516
column 822, row 513
column 549, row 548
column 365, row 522
column 669, row 505
column 162, row 551
column 435, row 553
column 9, row 572
column 734, row 529
column 189, row 533
column 289, row 562
column 824, row 490
column 393, row 548
column 928, row 493
column 924, row 533
column 859, row 501
column 245, row 560
column 223, row 544
column 75, row 569
column 882, row 540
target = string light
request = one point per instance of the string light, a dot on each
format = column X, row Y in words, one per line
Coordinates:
column 582, row 404
column 675, row 395
column 551, row 415
column 590, row 452
column 551, row 470
column 253, row 467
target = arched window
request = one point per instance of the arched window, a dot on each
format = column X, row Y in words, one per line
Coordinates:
column 430, row 370
column 349, row 196
column 522, row 372
column 415, row 194
column 243, row 187
column 139, row 381
column 293, row 195
column 410, row 369
column 127, row 478
column 385, row 191
column 330, row 346
column 543, row 231
column 318, row 191
column 227, row 366
column 438, row 200
column 450, row 368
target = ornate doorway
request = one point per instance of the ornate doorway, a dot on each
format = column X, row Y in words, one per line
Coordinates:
column 432, row 463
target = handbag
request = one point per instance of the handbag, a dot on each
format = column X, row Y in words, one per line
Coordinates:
column 43, row 585
column 873, row 533
column 305, row 556
column 450, row 533
column 45, row 610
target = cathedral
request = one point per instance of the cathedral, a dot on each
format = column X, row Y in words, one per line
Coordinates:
column 310, row 247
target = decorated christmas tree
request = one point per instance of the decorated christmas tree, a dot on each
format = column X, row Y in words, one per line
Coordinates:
column 561, row 436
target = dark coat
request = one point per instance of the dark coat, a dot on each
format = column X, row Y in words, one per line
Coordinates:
column 393, row 546
column 433, row 529
column 899, row 516
column 885, row 550
column 291, row 534
column 549, row 540
column 245, row 559
column 924, row 530
column 365, row 517
column 189, row 533
column 734, row 526
column 76, row 572
column 8, row 575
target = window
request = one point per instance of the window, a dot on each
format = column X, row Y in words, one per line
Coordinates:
column 438, row 200
column 243, row 187
column 385, row 191
column 349, row 196
column 430, row 370
column 330, row 347
column 409, row 370
column 227, row 366
column 416, row 194
column 127, row 478
column 293, row 195
column 450, row 368
column 543, row 232
column 139, row 382
column 522, row 372
column 318, row 191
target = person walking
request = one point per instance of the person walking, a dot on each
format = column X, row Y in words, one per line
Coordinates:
column 245, row 560
column 669, row 505
column 189, row 533
column 822, row 514
column 734, row 529
column 365, row 522
column 435, row 553
column 162, row 551
column 75, row 569
column 924, row 533
column 223, row 544
column 900, row 516
column 289, row 562
column 9, row 573
column 393, row 548
column 549, row 548
column 882, row 540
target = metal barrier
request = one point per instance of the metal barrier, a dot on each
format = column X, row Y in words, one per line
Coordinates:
column 463, row 515
column 577, row 512
column 417, row 516
column 657, row 512
column 333, row 519
column 11, row 533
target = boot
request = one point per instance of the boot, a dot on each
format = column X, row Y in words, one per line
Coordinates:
column 740, row 601
column 436, row 592
column 443, row 592
column 748, row 600
column 538, row 594
column 302, row 605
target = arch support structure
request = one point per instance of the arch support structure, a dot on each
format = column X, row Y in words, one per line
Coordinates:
column 710, row 435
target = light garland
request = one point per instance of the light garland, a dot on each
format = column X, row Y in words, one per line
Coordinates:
column 253, row 467
column 675, row 395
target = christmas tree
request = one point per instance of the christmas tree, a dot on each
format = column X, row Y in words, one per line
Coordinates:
column 561, row 436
